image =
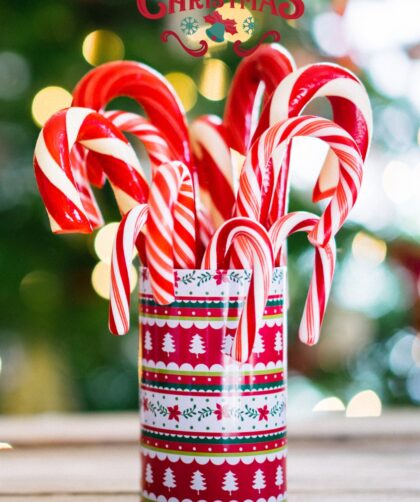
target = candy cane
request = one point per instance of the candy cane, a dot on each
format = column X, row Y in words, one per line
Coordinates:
column 262, row 71
column 214, row 167
column 264, row 180
column 217, row 257
column 350, row 105
column 122, row 255
column 78, row 161
column 149, row 88
column 55, row 175
column 171, row 232
column 154, row 142
column 323, row 273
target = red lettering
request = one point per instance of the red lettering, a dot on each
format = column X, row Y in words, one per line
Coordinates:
column 299, row 9
column 196, row 4
column 173, row 3
column 217, row 3
column 145, row 12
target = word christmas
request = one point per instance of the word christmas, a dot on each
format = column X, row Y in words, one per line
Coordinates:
column 232, row 21
column 291, row 9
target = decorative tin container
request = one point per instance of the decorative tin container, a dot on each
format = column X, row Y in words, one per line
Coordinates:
column 212, row 429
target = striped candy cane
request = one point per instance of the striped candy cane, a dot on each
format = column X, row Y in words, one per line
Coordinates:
column 78, row 161
column 214, row 167
column 256, row 78
column 149, row 88
column 323, row 273
column 349, row 101
column 55, row 175
column 258, row 245
column 122, row 256
column 154, row 142
column 264, row 181
column 171, row 230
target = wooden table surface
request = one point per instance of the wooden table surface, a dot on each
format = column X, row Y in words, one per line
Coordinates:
column 89, row 458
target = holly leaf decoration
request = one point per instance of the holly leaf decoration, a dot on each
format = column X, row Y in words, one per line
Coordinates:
column 229, row 24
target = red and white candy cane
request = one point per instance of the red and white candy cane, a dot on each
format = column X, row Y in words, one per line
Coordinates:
column 214, row 167
column 122, row 256
column 257, row 76
column 171, row 228
column 81, row 177
column 258, row 244
column 264, row 179
column 154, row 142
column 322, row 276
column 55, row 174
column 350, row 106
column 149, row 88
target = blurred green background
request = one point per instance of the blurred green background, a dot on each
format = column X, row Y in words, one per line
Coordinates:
column 55, row 351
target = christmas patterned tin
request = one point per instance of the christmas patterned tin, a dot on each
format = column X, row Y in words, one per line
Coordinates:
column 212, row 429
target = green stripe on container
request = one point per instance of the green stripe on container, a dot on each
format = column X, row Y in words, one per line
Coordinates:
column 205, row 305
column 221, row 441
column 221, row 388
column 210, row 373
column 198, row 318
column 210, row 454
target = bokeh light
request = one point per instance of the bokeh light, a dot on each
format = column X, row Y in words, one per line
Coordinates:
column 101, row 279
column 401, row 356
column 329, row 404
column 368, row 248
column 104, row 242
column 214, row 80
column 364, row 404
column 398, row 181
column 330, row 35
column 413, row 385
column 49, row 101
column 102, row 46
column 5, row 446
column 185, row 88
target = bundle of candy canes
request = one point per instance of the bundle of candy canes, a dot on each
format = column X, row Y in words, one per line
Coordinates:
column 199, row 209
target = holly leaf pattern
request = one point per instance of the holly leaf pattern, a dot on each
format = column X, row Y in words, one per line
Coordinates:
column 251, row 412
column 277, row 409
column 162, row 410
column 236, row 277
column 190, row 412
column 188, row 278
column 203, row 278
column 204, row 413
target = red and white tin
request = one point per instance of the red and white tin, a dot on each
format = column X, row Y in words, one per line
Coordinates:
column 212, row 429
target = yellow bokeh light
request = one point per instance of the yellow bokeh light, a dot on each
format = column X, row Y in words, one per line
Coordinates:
column 185, row 88
column 369, row 249
column 5, row 446
column 101, row 279
column 214, row 80
column 364, row 404
column 49, row 101
column 102, row 46
column 329, row 404
column 104, row 241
